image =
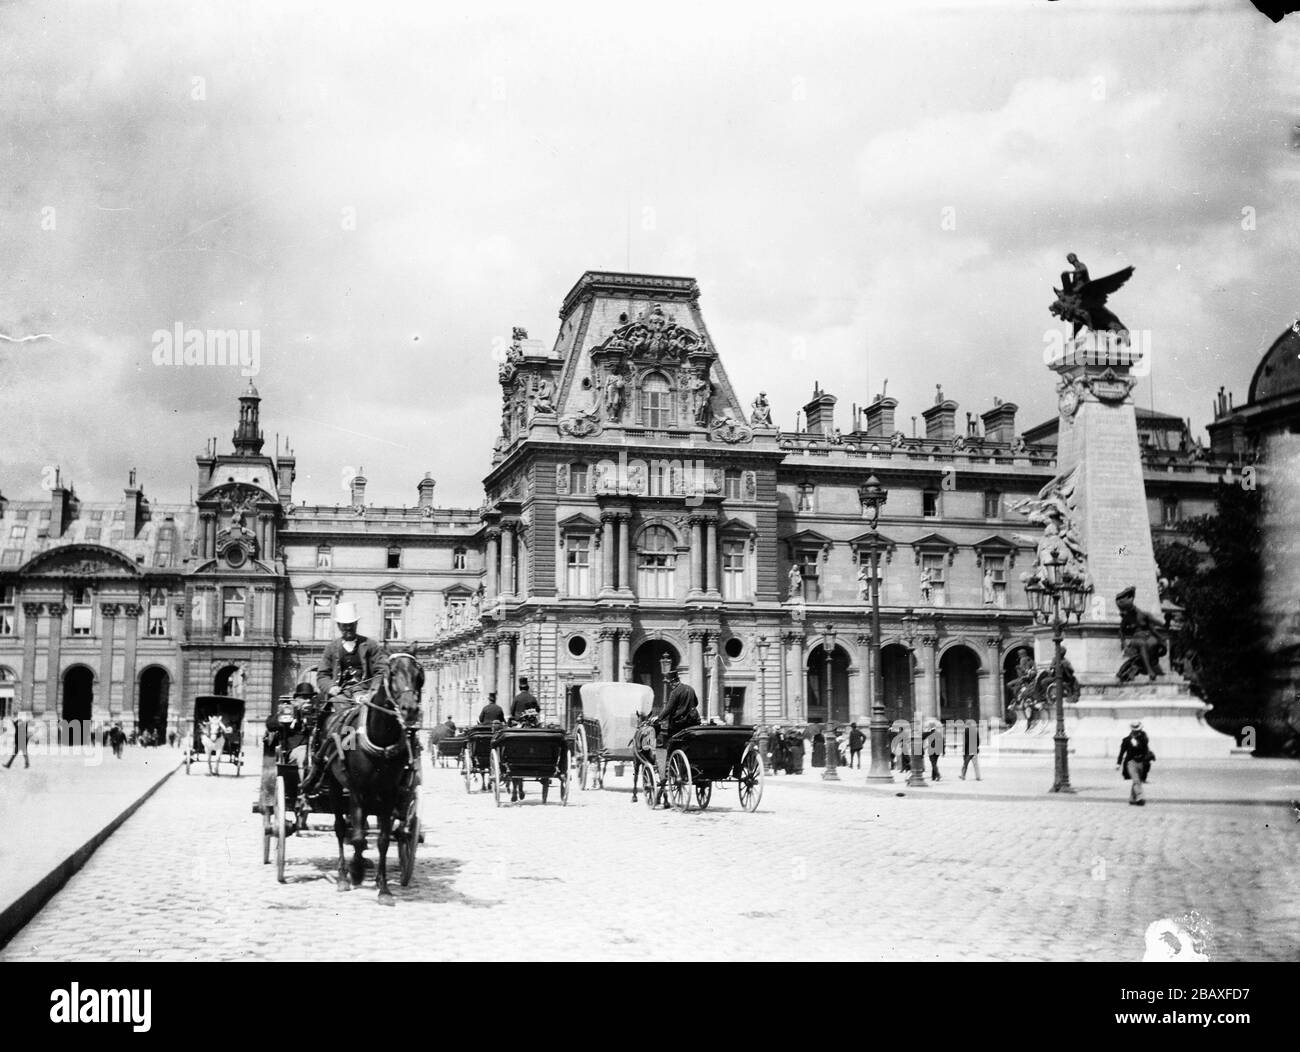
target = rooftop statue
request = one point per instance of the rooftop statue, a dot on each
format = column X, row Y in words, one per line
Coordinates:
column 1082, row 301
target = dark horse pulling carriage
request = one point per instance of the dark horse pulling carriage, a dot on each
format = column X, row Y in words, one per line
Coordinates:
column 218, row 734
column 373, row 770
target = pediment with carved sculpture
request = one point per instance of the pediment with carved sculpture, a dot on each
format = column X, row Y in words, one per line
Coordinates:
column 81, row 560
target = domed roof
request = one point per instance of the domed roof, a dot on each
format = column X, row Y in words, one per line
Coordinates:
column 1279, row 371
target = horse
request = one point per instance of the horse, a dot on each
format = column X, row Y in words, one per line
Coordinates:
column 213, row 736
column 643, row 746
column 371, row 760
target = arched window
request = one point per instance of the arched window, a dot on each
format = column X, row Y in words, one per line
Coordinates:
column 657, row 564
column 656, row 402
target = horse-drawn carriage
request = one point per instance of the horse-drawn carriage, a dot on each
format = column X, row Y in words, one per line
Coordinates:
column 218, row 733
column 529, row 753
column 693, row 761
column 373, row 775
column 450, row 748
column 476, row 756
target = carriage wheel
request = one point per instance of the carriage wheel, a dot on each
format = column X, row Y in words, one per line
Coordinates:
column 277, row 824
column 467, row 768
column 751, row 779
column 266, row 842
column 703, row 794
column 582, row 760
column 678, row 777
column 647, row 776
column 495, row 775
column 411, row 838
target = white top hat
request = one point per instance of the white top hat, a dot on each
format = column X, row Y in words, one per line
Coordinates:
column 346, row 614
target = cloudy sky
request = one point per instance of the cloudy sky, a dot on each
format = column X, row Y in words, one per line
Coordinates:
column 382, row 190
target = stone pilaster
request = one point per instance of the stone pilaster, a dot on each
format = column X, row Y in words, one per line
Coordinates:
column 31, row 626
column 53, row 672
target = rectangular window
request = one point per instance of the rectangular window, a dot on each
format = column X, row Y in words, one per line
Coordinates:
column 17, row 533
column 932, row 568
column 930, row 505
column 578, row 478
column 233, row 612
column 322, row 606
column 116, row 535
column 45, row 515
column 809, row 566
column 162, row 559
column 995, row 571
column 392, row 619
column 96, row 516
column 656, row 564
column 158, row 613
column 731, row 484
column 992, row 505
column 457, row 607
column 21, row 516
column 807, row 497
column 324, row 557
column 83, row 610
column 394, row 558
column 8, row 610
column 458, row 559
column 660, row 482
column 11, row 557
column 656, row 403
column 1169, row 511
column 578, row 563
column 119, row 516
column 92, row 533
column 733, row 570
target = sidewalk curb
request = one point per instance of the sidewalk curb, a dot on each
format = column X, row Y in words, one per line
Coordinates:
column 901, row 789
column 14, row 917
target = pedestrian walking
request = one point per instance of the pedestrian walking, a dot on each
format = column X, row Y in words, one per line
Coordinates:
column 970, row 749
column 1135, row 759
column 20, row 741
column 819, row 748
column 794, row 752
column 934, row 746
column 856, row 740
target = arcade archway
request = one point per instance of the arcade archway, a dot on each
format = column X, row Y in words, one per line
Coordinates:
column 959, row 684
column 155, row 691
column 648, row 666
column 899, row 685
column 78, row 705
column 839, row 685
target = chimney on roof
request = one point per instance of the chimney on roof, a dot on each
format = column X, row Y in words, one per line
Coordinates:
column 820, row 412
column 359, row 489
column 136, row 507
column 60, row 506
column 425, row 488
column 941, row 419
column 1000, row 421
column 880, row 416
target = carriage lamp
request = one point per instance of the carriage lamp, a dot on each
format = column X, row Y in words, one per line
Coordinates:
column 829, row 773
column 910, row 622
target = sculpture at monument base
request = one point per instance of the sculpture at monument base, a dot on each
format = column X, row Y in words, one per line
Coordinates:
column 1142, row 638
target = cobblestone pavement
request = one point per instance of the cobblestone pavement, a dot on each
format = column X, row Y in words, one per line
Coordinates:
column 811, row 875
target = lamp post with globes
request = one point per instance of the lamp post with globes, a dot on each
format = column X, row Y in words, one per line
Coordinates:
column 915, row 748
column 872, row 496
column 829, row 773
column 1052, row 595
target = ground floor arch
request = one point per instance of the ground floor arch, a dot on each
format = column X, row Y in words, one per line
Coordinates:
column 959, row 684
column 154, row 700
column 650, row 663
column 78, row 705
column 821, row 685
column 899, row 684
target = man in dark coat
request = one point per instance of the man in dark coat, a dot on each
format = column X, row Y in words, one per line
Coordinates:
column 524, row 700
column 492, row 712
column 287, row 730
column 682, row 709
column 856, row 740
column 934, row 746
column 20, row 740
column 1134, row 760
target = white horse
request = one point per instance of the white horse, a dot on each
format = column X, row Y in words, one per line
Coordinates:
column 213, row 736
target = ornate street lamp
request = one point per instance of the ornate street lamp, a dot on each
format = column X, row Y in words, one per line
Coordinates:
column 761, row 644
column 1054, row 600
column 665, row 664
column 829, row 774
column 872, row 496
column 917, row 776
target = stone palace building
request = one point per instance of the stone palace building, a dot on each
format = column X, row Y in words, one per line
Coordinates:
column 638, row 512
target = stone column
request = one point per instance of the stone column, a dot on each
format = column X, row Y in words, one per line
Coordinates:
column 991, row 680
column 928, row 699
column 799, row 679
column 493, row 571
column 507, row 584
column 624, row 550
column 55, row 644
column 696, row 660
column 711, row 559
column 624, row 645
column 697, row 558
column 506, row 669
column 491, row 646
column 31, row 625
column 607, row 553
column 607, row 657
column 783, row 673
column 107, row 623
column 131, row 612
column 862, row 691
